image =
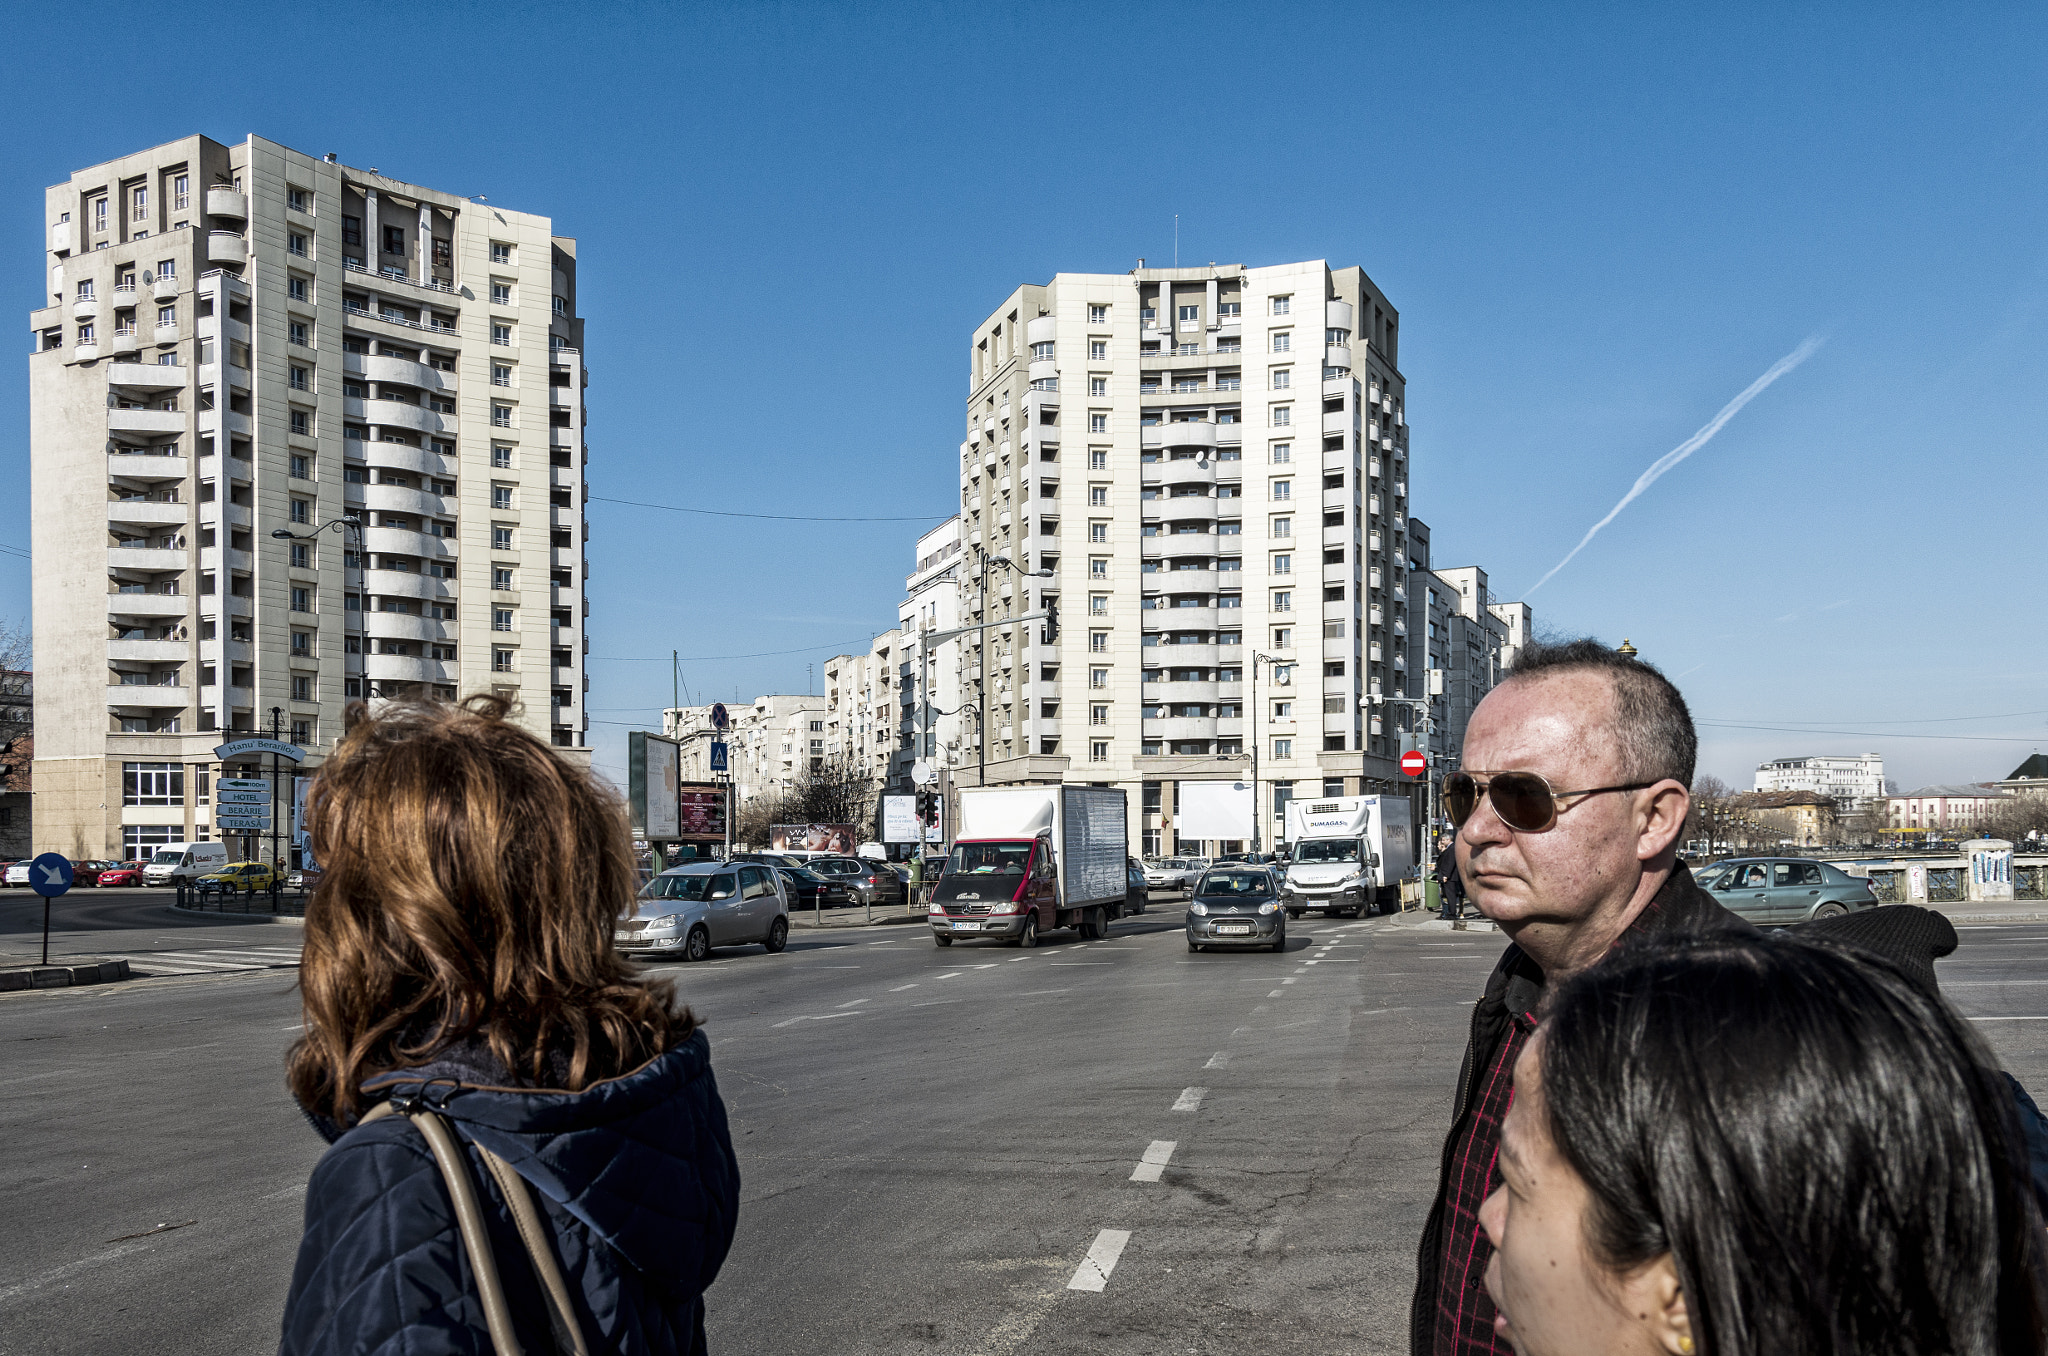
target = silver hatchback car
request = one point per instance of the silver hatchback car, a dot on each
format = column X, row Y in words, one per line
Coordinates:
column 1237, row 905
column 693, row 907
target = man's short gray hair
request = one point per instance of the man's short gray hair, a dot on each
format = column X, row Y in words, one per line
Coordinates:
column 1652, row 725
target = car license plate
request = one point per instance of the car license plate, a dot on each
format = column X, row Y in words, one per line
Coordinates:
column 1233, row 929
column 961, row 925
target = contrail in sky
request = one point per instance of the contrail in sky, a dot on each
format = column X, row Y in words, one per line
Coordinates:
column 1687, row 448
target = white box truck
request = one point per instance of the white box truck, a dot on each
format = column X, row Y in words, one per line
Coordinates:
column 1027, row 858
column 1350, row 854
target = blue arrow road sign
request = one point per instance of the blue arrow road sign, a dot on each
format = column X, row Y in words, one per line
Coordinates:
column 50, row 874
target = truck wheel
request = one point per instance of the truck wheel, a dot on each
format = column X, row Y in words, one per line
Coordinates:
column 1028, row 938
column 1094, row 927
column 942, row 939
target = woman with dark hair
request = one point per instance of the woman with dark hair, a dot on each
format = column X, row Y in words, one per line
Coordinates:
column 459, row 966
column 1761, row 1145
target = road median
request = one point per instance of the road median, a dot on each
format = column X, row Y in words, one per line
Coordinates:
column 16, row 978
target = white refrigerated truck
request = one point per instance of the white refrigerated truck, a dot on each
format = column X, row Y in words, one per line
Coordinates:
column 1350, row 854
column 1027, row 858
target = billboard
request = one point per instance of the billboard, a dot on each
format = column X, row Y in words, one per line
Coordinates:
column 653, row 768
column 838, row 839
column 1214, row 810
column 899, row 819
column 701, row 813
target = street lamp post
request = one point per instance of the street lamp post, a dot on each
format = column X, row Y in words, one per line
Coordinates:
column 350, row 528
column 1258, row 812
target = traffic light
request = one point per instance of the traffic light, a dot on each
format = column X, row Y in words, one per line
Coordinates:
column 924, row 807
column 1051, row 632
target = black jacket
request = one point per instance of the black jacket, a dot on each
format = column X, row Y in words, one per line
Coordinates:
column 635, row 1176
column 1516, row 985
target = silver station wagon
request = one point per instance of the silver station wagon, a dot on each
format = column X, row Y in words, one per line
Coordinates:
column 690, row 909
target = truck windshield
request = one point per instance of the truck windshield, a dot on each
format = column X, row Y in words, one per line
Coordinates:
column 1326, row 850
column 167, row 858
column 988, row 859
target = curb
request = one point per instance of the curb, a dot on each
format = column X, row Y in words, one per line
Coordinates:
column 63, row 976
column 294, row 919
column 848, row 918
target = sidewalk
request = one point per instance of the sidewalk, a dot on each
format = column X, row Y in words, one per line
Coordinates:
column 853, row 916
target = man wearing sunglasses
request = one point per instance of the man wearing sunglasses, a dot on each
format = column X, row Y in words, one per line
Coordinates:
column 1568, row 809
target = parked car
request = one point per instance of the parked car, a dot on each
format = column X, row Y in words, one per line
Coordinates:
column 865, row 882
column 89, row 873
column 1236, row 906
column 303, row 877
column 809, row 890
column 1781, row 890
column 689, row 909
column 1137, row 891
column 766, row 858
column 1168, row 873
column 245, row 877
column 120, row 873
column 16, row 873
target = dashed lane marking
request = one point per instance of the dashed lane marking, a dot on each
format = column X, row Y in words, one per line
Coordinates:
column 1218, row 1060
column 1157, row 1156
column 950, row 974
column 792, row 1021
column 1190, row 1098
column 1277, row 993
column 1093, row 1273
column 901, row 987
column 854, row 1003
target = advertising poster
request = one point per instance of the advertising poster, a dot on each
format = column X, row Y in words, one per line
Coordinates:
column 653, row 765
column 899, row 819
column 701, row 813
column 839, row 839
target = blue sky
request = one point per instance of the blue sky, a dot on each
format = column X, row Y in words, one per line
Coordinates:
column 1600, row 224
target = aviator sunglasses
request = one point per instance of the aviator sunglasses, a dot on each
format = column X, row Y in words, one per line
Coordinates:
column 1524, row 801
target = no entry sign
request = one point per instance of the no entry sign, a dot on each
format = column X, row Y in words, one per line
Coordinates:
column 1414, row 763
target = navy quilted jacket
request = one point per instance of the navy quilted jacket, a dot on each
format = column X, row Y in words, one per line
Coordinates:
column 636, row 1177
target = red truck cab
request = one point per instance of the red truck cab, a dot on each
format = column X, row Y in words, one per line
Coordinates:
column 996, row 887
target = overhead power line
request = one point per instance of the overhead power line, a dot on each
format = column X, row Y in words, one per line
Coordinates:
column 775, row 517
column 699, row 658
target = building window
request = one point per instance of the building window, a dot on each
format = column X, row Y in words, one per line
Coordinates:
column 1283, row 490
column 351, row 230
column 1283, row 416
column 141, row 204
column 1098, row 567
column 302, row 642
column 1283, row 305
column 394, row 240
column 1098, row 678
column 1283, row 527
column 1098, row 605
column 501, row 253
column 152, row 784
column 501, row 455
column 166, row 316
column 1283, row 564
column 501, row 496
column 501, row 539
column 501, row 661
column 1098, row 750
column 301, row 510
column 301, row 379
column 1098, row 386
column 1283, row 637
column 1282, row 378
column 561, row 306
column 302, row 556
column 501, row 335
column 181, row 193
column 501, row 416
column 1098, row 532
column 300, row 333
column 297, row 289
column 1283, row 601
column 302, row 732
column 1098, row 315
column 1098, row 495
column 1098, row 423
column 1098, row 642
column 501, row 578
column 1098, row 459
column 501, row 619
column 302, row 423
column 302, row 600
column 501, row 375
column 1283, row 748
column 302, row 687
column 501, row 294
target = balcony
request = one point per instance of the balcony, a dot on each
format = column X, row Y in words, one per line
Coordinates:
column 377, row 367
column 149, row 511
column 164, row 334
column 149, row 651
column 149, row 559
column 395, row 668
column 147, row 696
column 145, row 421
column 227, row 249
column 164, row 287
column 85, row 353
column 1337, row 355
column 1199, row 655
column 1180, row 581
column 399, row 541
column 564, row 438
column 226, row 558
column 1180, row 727
column 216, row 422
column 224, row 200
column 399, row 275
column 1337, row 315
column 236, row 515
column 401, row 457
column 1167, row 617
column 1187, row 433
column 127, row 340
column 148, row 605
column 398, row 414
column 140, row 466
column 1182, row 508
column 85, row 308
column 407, row 584
column 1188, row 472
column 1044, row 370
column 60, row 238
column 1180, row 692
column 399, row 499
column 148, row 376
column 1340, row 421
column 405, row 626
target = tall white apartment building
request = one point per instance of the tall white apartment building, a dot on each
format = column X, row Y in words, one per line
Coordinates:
column 861, row 717
column 1213, row 463
column 241, row 340
column 770, row 744
column 930, row 687
column 1851, row 779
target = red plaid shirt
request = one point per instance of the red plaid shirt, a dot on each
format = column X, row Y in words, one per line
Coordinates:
column 1463, row 1324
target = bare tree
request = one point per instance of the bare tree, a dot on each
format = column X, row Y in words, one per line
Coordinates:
column 2015, row 818
column 1708, row 819
column 835, row 790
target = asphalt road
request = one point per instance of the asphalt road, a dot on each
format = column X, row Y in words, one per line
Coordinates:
column 934, row 1143
column 141, row 925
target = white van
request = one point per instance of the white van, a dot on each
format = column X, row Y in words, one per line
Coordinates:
column 184, row 861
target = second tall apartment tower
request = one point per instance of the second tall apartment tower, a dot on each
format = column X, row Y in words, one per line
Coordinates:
column 1213, row 463
column 241, row 341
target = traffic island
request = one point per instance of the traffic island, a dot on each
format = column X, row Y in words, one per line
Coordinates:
column 853, row 917
column 15, row 977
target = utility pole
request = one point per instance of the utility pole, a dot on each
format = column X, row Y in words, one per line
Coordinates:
column 277, row 733
column 1258, row 812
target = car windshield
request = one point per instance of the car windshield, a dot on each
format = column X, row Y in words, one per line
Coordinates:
column 676, row 887
column 988, row 859
column 1326, row 850
column 1235, row 885
column 167, row 858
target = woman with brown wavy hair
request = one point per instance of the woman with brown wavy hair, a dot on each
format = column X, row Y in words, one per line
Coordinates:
column 459, row 958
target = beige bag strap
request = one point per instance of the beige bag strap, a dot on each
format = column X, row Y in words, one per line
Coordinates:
column 476, row 1241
